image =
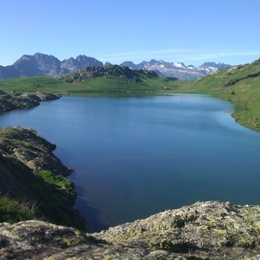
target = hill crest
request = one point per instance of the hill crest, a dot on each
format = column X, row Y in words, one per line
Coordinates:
column 108, row 70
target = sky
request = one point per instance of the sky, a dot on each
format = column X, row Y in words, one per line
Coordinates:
column 188, row 31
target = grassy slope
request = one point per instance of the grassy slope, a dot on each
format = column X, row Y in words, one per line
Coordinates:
column 21, row 85
column 12, row 211
column 106, row 84
column 238, row 84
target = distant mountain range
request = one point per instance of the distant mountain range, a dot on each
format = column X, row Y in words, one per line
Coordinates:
column 177, row 69
column 41, row 64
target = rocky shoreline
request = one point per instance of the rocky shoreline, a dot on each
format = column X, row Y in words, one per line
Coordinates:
column 33, row 176
column 204, row 230
column 25, row 100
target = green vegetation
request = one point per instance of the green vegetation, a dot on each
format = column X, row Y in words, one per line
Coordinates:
column 53, row 202
column 60, row 181
column 238, row 84
column 52, row 193
column 33, row 178
column 12, row 211
column 109, row 80
column 112, row 84
column 18, row 86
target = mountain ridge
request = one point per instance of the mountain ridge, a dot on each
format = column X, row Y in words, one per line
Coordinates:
column 48, row 65
column 45, row 65
column 177, row 69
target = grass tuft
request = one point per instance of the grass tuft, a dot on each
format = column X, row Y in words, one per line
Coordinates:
column 58, row 180
column 12, row 211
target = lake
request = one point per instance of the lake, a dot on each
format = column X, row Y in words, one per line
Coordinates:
column 136, row 156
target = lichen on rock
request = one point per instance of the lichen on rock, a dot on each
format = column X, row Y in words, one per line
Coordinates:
column 204, row 230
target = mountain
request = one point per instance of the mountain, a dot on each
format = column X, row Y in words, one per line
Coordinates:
column 212, row 67
column 45, row 65
column 8, row 72
column 80, row 62
column 177, row 69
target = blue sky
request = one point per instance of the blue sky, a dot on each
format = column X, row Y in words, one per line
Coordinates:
column 189, row 31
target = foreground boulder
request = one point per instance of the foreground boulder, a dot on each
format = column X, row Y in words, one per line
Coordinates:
column 204, row 230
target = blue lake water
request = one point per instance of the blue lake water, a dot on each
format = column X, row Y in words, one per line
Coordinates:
column 136, row 156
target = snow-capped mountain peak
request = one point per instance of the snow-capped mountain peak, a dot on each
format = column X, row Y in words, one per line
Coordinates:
column 177, row 69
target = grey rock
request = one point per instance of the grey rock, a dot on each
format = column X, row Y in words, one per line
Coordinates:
column 103, row 71
column 204, row 230
column 45, row 65
column 26, row 100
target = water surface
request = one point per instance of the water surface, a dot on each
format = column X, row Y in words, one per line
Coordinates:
column 137, row 156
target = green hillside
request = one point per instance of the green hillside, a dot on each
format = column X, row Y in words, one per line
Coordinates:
column 106, row 79
column 238, row 84
column 17, row 86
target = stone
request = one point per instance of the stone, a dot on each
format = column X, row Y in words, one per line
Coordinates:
column 209, row 230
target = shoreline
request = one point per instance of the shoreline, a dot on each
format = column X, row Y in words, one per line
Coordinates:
column 34, row 183
column 24, row 101
column 201, row 230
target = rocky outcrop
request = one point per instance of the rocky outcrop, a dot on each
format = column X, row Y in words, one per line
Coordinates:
column 26, row 100
column 109, row 70
column 32, row 175
column 38, row 240
column 27, row 147
column 80, row 62
column 204, row 230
